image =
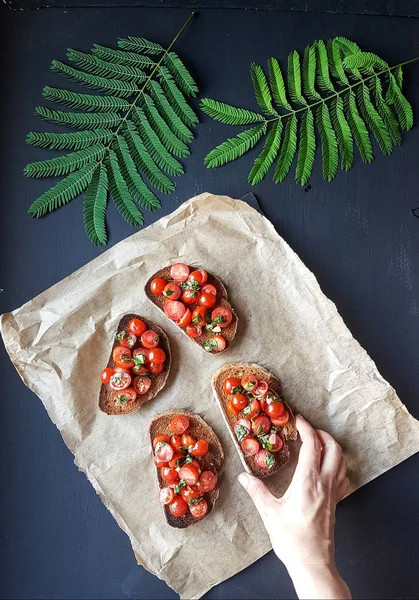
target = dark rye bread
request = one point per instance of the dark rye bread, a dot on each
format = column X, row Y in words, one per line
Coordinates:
column 228, row 333
column 108, row 402
column 212, row 461
column 289, row 431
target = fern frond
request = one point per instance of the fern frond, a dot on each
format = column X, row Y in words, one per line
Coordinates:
column 225, row 113
column 347, row 45
column 294, row 78
column 136, row 186
column 288, row 149
column 358, row 128
column 68, row 141
column 373, row 120
column 269, row 153
column 63, row 165
column 276, row 81
column 235, row 147
column 401, row 105
column 169, row 139
column 63, row 192
column 385, row 111
column 168, row 114
column 335, row 62
column 306, row 149
column 122, row 58
column 180, row 74
column 138, row 44
column 176, row 98
column 261, row 89
column 96, row 66
column 365, row 62
column 330, row 157
column 87, row 102
column 343, row 134
column 94, row 207
column 79, row 120
column 309, row 73
column 109, row 86
column 322, row 68
column 120, row 193
column 398, row 74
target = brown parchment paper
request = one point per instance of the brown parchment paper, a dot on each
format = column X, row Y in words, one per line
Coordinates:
column 298, row 334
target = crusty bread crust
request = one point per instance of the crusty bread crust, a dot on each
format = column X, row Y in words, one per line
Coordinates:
column 108, row 402
column 228, row 333
column 212, row 461
column 289, row 431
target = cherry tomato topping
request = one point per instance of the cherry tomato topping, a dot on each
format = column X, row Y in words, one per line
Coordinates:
column 176, row 460
column 261, row 424
column 186, row 319
column 282, row 420
column 176, row 441
column 174, row 310
column 157, row 286
column 169, row 475
column 166, row 495
column 142, row 384
column 230, row 383
column 249, row 383
column 179, row 272
column 250, row 445
column 204, row 276
column 209, row 289
column 179, row 424
column 189, row 474
column 275, row 410
column 240, row 401
column 252, row 409
column 155, row 368
column 127, row 395
column 160, row 463
column 195, row 276
column 141, row 352
column 245, row 423
column 191, row 296
column 232, row 409
column 178, row 507
column 164, row 451
column 191, row 492
column 207, row 300
column 122, row 357
column 200, row 448
column 156, row 355
column 106, row 375
column 140, row 370
column 196, row 464
column 199, row 316
column 172, row 291
column 207, row 481
column 126, row 338
column 275, row 442
column 215, row 343
column 188, row 440
column 199, row 510
column 193, row 331
column 221, row 316
column 264, row 459
column 150, row 339
column 120, row 381
column 123, row 370
column 161, row 438
column 137, row 327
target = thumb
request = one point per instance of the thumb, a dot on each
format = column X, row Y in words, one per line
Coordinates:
column 257, row 490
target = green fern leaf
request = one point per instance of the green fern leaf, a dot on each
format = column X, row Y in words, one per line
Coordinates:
column 157, row 151
column 87, row 102
column 276, row 81
column 79, row 120
column 225, row 113
column 61, row 193
column 343, row 134
column 398, row 74
column 180, row 74
column 109, row 86
column 358, row 128
column 348, row 46
column 138, row 44
column 169, row 139
column 168, row 114
column 401, row 105
column 269, row 153
column 330, row 157
column 94, row 207
column 306, row 149
column 63, row 165
column 323, row 76
column 261, row 89
column 309, row 73
column 366, row 62
column 335, row 62
column 176, row 98
column 385, row 111
column 144, row 162
column 120, row 193
column 136, row 186
column 235, row 147
column 294, row 78
column 96, row 66
column 373, row 120
column 122, row 58
column 68, row 141
column 288, row 149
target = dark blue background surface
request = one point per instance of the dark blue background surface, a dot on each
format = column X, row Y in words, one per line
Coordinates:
column 357, row 235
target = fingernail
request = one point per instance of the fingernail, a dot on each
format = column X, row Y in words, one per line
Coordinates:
column 243, row 480
column 300, row 416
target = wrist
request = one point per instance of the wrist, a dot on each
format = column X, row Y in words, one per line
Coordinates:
column 318, row 581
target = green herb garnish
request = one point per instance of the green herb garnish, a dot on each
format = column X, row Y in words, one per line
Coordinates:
column 270, row 460
column 210, row 345
column 193, row 501
column 179, row 486
column 241, row 432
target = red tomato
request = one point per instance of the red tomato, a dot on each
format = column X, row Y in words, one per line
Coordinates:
column 106, row 375
column 141, row 351
column 157, row 286
column 207, row 481
column 140, row 370
column 179, row 272
column 164, row 451
column 282, row 420
column 263, row 403
column 261, row 424
column 222, row 316
column 209, row 289
column 150, row 339
column 179, row 424
column 188, row 440
column 137, row 327
column 230, row 383
column 174, row 462
column 122, row 357
column 199, row 275
column 156, row 355
column 275, row 410
column 207, row 300
column 264, row 459
column 196, row 464
column 216, row 343
column 186, row 319
column 252, row 409
column 178, row 507
column 172, row 291
column 176, row 441
column 155, row 368
column 125, row 338
column 189, row 474
column 123, row 370
column 250, row 445
column 199, row 510
column 174, row 310
column 200, row 448
column 160, row 463
column 199, row 316
column 191, row 296
column 190, row 492
column 161, row 438
column 232, row 409
column 261, row 389
column 193, row 331
column 169, row 475
column 245, row 423
column 249, row 383
column 166, row 495
column 127, row 395
column 142, row 384
column 240, row 401
column 275, row 442
column 120, row 381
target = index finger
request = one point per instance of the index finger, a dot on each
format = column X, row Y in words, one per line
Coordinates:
column 311, row 449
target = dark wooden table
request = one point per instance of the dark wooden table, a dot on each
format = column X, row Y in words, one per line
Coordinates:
column 358, row 235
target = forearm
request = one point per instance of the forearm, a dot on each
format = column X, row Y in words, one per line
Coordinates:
column 319, row 582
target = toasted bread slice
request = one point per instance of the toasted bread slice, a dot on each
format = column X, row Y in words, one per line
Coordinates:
column 212, row 461
column 288, row 432
column 108, row 401
column 228, row 333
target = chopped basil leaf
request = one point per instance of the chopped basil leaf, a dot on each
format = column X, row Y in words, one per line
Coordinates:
column 179, row 486
column 238, row 390
column 263, row 439
column 276, row 428
column 241, row 432
column 123, row 399
column 193, row 501
column 188, row 459
column 159, row 446
column 270, row 460
column 139, row 360
column 210, row 345
column 167, row 292
column 184, row 448
column 120, row 336
column 247, row 410
column 196, row 320
column 191, row 285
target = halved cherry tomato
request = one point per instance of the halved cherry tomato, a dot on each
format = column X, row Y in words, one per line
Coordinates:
column 137, row 327
column 200, row 448
column 240, row 401
column 264, row 459
column 188, row 440
column 250, row 445
column 178, row 507
column 191, row 296
column 198, row 275
column 199, row 510
column 230, row 383
column 122, row 357
column 120, row 381
column 232, row 409
column 207, row 481
column 275, row 410
column 126, row 338
column 160, row 463
column 179, row 272
column 157, row 355
column 166, row 495
column 249, row 383
column 175, row 461
column 106, row 375
column 155, row 368
column 164, row 451
column 252, row 409
column 179, row 424
column 123, row 370
column 161, row 438
column 209, row 289
column 190, row 492
column 142, row 384
column 199, row 316
column 196, row 464
column 216, row 343
column 193, row 331
column 140, row 370
column 282, row 420
column 176, row 441
column 172, row 291
column 275, row 442
column 150, row 339
column 206, row 299
column 143, row 351
column 186, row 319
column 174, row 310
column 261, row 424
column 157, row 286
column 221, row 316
column 189, row 474
column 127, row 395
column 261, row 389
column 169, row 475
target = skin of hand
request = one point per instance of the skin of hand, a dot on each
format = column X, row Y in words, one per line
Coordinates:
column 301, row 523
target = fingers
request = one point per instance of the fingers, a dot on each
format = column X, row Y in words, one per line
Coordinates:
column 341, row 474
column 311, row 449
column 342, row 489
column 331, row 454
column 257, row 490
